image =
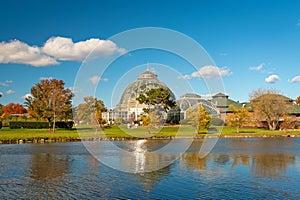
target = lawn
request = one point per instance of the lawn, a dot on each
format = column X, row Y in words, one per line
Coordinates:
column 123, row 132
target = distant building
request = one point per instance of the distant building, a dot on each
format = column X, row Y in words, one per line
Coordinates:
column 129, row 109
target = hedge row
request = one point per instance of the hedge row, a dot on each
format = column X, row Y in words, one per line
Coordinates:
column 39, row 125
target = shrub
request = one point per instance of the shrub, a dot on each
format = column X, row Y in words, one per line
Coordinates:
column 39, row 125
column 66, row 125
column 29, row 125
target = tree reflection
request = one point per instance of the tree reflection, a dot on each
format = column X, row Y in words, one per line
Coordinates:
column 240, row 160
column 150, row 179
column 222, row 159
column 193, row 160
column 47, row 166
column 270, row 165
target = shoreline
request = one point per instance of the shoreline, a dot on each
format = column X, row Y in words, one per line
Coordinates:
column 62, row 140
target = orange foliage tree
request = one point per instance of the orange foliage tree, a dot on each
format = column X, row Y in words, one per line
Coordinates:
column 13, row 108
column 50, row 100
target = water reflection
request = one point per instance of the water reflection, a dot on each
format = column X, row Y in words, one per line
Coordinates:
column 265, row 165
column 48, row 166
column 68, row 171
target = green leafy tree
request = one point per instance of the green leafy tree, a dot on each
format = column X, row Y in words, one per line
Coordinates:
column 158, row 99
column 50, row 100
column 269, row 106
column 91, row 111
column 198, row 118
column 238, row 118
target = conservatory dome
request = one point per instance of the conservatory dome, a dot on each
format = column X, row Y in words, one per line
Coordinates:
column 128, row 105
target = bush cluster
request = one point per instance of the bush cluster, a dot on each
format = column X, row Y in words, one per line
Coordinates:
column 66, row 125
column 39, row 125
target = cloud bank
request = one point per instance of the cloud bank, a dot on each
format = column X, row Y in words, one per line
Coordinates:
column 56, row 49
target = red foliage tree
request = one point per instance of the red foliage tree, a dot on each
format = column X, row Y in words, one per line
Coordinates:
column 13, row 108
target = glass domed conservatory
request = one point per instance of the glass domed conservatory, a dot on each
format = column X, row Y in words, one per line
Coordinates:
column 129, row 109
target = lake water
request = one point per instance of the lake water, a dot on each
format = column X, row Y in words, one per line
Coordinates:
column 261, row 168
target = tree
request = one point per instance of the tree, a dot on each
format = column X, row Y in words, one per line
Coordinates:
column 198, row 118
column 288, row 122
column 13, row 108
column 91, row 111
column 298, row 101
column 238, row 118
column 269, row 106
column 157, row 97
column 1, row 110
column 151, row 119
column 50, row 100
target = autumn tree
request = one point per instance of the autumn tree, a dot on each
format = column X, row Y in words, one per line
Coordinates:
column 91, row 110
column 151, row 120
column 238, row 117
column 269, row 106
column 198, row 118
column 288, row 122
column 50, row 100
column 13, row 108
column 298, row 101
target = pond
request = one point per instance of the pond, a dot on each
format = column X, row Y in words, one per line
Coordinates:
column 260, row 168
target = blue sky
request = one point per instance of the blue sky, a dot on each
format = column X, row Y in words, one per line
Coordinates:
column 255, row 44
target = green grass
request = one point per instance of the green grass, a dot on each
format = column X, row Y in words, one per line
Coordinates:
column 123, row 132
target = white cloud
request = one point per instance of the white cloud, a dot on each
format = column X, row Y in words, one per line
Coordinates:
column 272, row 78
column 65, row 49
column 96, row 79
column 56, row 48
column 3, row 84
column 223, row 54
column 10, row 92
column 185, row 77
column 26, row 96
column 46, row 78
column 257, row 68
column 295, row 79
column 18, row 52
column 1, row 94
column 211, row 72
column 6, row 83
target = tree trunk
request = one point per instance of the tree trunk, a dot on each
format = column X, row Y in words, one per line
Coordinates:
column 54, row 120
column 237, row 129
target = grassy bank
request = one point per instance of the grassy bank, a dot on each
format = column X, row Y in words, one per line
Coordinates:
column 140, row 132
